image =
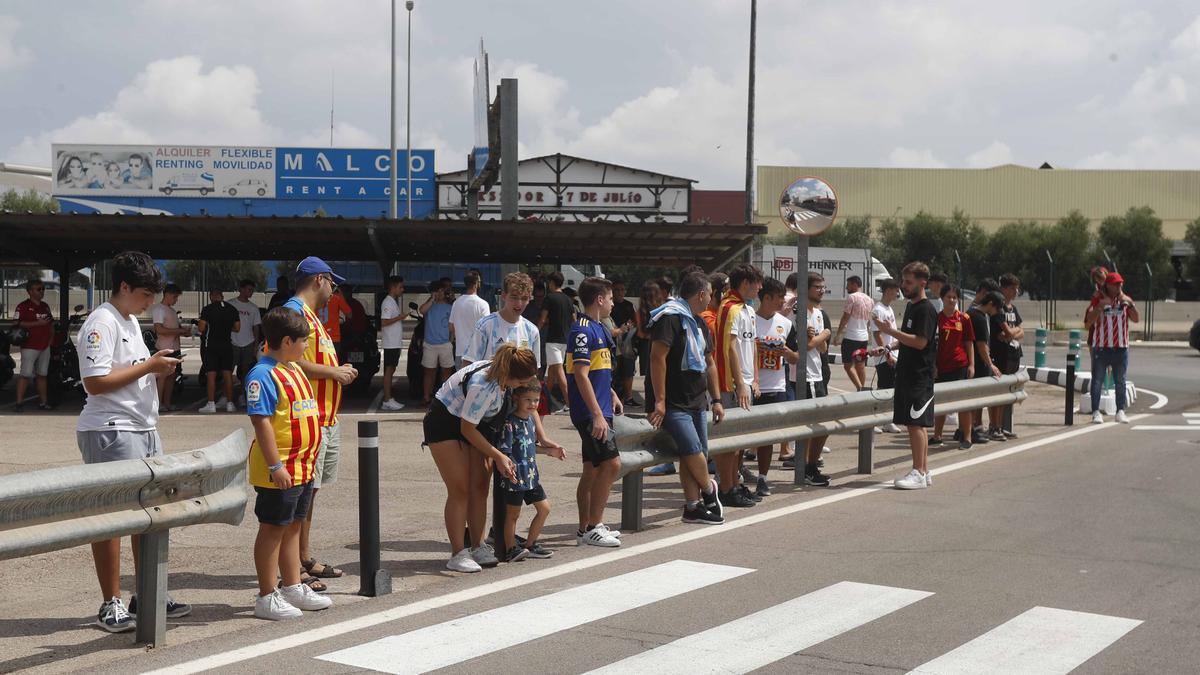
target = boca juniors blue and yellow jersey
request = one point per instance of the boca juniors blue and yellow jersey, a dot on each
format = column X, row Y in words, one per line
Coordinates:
column 590, row 344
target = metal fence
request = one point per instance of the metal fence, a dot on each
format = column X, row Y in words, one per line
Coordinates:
column 643, row 446
column 54, row 509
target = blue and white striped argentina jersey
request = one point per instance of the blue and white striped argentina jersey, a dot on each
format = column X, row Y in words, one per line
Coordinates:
column 492, row 331
column 482, row 399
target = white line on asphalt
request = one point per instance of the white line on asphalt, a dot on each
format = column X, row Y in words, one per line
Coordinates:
column 1191, row 414
column 1165, row 427
column 374, row 407
column 458, row 640
column 1043, row 640
column 1160, row 403
column 772, row 634
column 350, row 625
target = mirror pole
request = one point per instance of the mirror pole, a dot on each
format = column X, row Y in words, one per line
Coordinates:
column 801, row 299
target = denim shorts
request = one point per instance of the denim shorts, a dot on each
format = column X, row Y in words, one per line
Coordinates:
column 689, row 430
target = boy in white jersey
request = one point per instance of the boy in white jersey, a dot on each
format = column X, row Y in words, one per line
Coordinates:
column 771, row 332
column 120, row 418
column 506, row 325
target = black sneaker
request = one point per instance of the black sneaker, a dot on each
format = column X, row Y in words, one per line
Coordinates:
column 114, row 618
column 18, row 408
column 958, row 435
column 789, row 463
column 45, row 407
column 175, row 610
column 762, row 489
column 816, row 478
column 1008, row 434
column 746, row 473
column 964, row 445
column 996, row 435
column 538, row 551
column 516, row 554
column 936, row 441
column 701, row 516
column 735, row 498
column 977, row 436
column 712, row 500
column 491, row 538
column 748, row 494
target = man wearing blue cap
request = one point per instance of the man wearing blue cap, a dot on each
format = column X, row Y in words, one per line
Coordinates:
column 315, row 282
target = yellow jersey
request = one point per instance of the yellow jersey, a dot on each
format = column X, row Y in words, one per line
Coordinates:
column 281, row 392
column 320, row 350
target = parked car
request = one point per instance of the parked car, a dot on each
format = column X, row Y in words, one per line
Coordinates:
column 1194, row 336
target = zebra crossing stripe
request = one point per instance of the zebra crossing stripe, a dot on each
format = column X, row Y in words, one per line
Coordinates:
column 1044, row 641
column 475, row 635
column 772, row 634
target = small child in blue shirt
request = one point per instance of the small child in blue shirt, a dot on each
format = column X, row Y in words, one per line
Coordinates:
column 519, row 443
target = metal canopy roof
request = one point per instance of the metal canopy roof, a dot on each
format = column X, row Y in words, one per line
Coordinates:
column 73, row 240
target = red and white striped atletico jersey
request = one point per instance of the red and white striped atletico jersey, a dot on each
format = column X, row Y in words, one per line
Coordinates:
column 1112, row 327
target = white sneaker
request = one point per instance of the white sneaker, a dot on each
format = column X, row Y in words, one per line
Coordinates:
column 230, row 408
column 301, row 596
column 222, row 401
column 826, row 449
column 615, row 533
column 1097, row 417
column 915, row 480
column 463, row 562
column 209, row 408
column 600, row 537
column 891, row 428
column 928, row 479
column 1122, row 418
column 392, row 405
column 274, row 608
column 485, row 556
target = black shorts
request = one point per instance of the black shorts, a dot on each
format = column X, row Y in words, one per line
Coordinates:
column 952, row 375
column 771, row 397
column 982, row 368
column 391, row 357
column 217, row 357
column 848, row 349
column 594, row 451
column 1012, row 363
column 440, row 425
column 282, row 507
column 624, row 367
column 913, row 403
column 817, row 390
column 527, row 497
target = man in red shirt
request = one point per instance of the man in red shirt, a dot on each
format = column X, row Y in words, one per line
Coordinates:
column 34, row 316
column 956, row 341
column 1107, row 322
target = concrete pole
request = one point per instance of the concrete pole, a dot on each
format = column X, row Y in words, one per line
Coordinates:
column 392, row 125
column 509, row 190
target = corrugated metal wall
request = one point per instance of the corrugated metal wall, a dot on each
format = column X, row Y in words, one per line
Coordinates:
column 993, row 196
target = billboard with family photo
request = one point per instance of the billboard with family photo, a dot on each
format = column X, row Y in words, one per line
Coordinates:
column 164, row 170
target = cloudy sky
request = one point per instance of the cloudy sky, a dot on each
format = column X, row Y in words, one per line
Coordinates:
column 659, row 85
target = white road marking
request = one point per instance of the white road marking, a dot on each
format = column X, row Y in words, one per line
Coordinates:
column 475, row 635
column 1166, row 427
column 765, row 637
column 1191, row 414
column 1043, row 640
column 383, row 616
column 374, row 407
column 1160, row 403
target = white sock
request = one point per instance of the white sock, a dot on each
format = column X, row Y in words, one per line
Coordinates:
column 762, row 476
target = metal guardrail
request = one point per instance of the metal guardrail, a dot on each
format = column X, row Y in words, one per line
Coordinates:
column 60, row 508
column 643, row 446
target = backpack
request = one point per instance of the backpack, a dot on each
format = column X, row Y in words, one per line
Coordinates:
column 491, row 427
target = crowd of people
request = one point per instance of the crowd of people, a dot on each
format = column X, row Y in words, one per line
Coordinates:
column 704, row 345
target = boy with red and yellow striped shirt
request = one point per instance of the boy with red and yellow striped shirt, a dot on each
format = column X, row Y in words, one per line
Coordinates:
column 283, row 410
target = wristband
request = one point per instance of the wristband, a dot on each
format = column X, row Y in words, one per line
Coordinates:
column 275, row 467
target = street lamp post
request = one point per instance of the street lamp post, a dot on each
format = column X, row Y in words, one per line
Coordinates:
column 392, row 125
column 408, row 118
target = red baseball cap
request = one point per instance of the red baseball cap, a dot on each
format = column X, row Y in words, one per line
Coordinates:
column 1114, row 278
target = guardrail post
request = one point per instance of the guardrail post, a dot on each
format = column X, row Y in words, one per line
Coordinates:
column 1039, row 348
column 499, row 512
column 151, row 584
column 866, row 443
column 1072, row 357
column 374, row 581
column 631, row 501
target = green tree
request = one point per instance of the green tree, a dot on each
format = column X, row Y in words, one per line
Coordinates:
column 1070, row 241
column 933, row 240
column 1192, row 268
column 854, row 232
column 1019, row 250
column 1134, row 241
column 222, row 274
column 29, row 200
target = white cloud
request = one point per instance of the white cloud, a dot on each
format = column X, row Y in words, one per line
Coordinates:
column 911, row 158
column 993, row 155
column 171, row 101
column 12, row 55
column 1149, row 152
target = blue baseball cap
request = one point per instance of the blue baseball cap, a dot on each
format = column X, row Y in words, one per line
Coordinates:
column 312, row 266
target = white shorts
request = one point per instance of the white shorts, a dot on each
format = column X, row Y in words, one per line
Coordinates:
column 437, row 356
column 556, row 353
column 35, row 361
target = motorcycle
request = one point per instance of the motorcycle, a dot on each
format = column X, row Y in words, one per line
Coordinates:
column 63, row 375
column 416, row 347
column 361, row 350
column 8, row 367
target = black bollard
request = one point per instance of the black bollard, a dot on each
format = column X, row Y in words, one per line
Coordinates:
column 374, row 581
column 1069, row 413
